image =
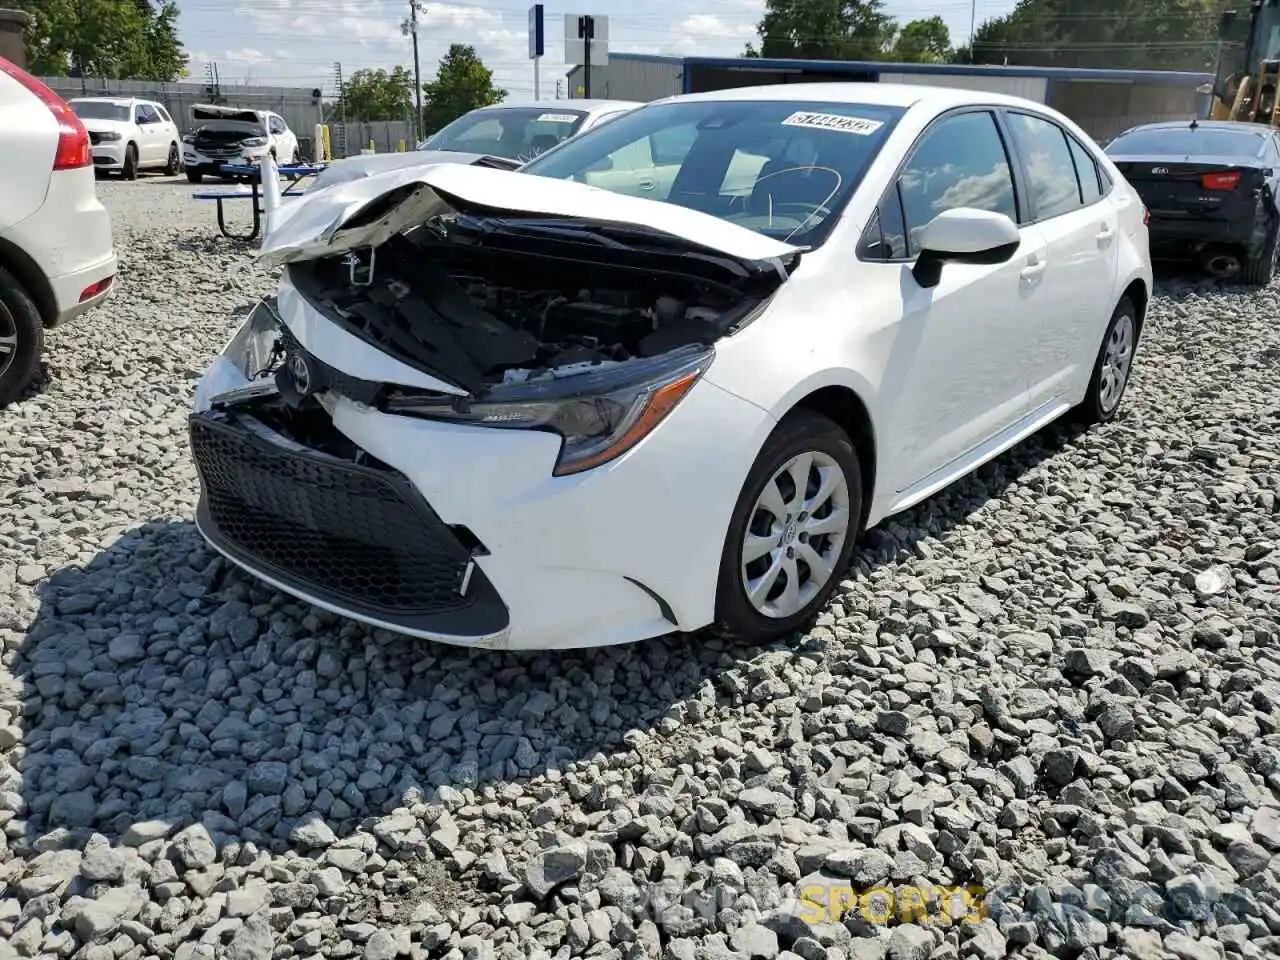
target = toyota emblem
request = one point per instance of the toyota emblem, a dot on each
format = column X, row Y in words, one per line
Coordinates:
column 301, row 374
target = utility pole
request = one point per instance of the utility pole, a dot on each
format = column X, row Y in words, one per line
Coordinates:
column 340, row 148
column 410, row 28
column 558, row 89
column 586, row 32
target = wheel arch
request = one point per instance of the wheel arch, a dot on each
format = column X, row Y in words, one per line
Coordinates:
column 1138, row 294
column 842, row 404
column 27, row 272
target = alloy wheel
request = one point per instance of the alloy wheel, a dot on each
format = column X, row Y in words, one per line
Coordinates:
column 795, row 534
column 8, row 339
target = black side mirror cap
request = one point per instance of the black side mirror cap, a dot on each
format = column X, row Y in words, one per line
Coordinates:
column 927, row 269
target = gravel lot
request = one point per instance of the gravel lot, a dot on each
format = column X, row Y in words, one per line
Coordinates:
column 1059, row 681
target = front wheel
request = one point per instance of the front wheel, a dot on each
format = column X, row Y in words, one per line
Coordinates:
column 194, row 176
column 175, row 161
column 130, row 170
column 792, row 530
column 1112, row 368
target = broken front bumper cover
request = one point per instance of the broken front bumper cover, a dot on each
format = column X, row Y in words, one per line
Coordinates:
column 354, row 539
column 349, row 537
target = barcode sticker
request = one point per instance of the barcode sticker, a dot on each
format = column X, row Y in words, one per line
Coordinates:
column 834, row 121
column 557, row 118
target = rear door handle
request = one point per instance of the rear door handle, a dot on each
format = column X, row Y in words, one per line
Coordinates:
column 1105, row 234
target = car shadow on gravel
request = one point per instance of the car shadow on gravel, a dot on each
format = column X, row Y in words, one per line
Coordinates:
column 159, row 683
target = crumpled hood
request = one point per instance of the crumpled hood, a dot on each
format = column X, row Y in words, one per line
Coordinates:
column 388, row 203
column 363, row 167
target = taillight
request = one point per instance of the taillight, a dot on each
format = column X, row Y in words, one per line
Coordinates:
column 73, row 139
column 1220, row 181
column 1146, row 217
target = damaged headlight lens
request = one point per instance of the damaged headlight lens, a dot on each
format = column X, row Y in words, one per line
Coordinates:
column 253, row 348
column 254, row 142
column 601, row 414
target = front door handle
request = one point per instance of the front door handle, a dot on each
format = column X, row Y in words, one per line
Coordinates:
column 1034, row 268
column 1105, row 234
column 646, row 183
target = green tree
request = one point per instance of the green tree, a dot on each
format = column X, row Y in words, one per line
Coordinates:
column 1121, row 34
column 825, row 29
column 922, row 41
column 116, row 39
column 462, row 84
column 376, row 95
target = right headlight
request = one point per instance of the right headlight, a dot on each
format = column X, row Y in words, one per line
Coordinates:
column 254, row 142
column 599, row 414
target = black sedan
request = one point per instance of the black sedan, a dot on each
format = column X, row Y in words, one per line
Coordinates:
column 1211, row 189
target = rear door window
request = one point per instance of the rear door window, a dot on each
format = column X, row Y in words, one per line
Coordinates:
column 1043, row 145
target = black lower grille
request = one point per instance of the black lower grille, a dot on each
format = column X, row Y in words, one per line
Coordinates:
column 357, row 536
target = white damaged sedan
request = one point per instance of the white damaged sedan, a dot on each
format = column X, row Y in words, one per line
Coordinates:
column 663, row 377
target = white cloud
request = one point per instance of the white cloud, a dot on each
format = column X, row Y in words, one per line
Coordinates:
column 704, row 33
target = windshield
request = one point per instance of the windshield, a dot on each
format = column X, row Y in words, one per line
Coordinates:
column 1183, row 142
column 781, row 168
column 99, row 110
column 512, row 132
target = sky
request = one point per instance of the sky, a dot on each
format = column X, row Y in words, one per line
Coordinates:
column 297, row 42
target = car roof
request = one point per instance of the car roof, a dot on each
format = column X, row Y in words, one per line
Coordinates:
column 1236, row 126
column 877, row 94
column 586, row 106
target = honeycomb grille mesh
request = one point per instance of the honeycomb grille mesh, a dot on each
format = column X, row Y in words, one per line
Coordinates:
column 346, row 532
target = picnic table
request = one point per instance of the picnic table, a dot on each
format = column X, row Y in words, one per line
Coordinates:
column 294, row 173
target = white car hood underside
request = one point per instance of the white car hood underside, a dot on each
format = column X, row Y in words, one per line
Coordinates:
column 314, row 227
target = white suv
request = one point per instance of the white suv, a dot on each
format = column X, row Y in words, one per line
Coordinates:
column 130, row 135
column 234, row 135
column 56, row 254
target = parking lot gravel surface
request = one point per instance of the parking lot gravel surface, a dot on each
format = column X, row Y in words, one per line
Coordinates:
column 1059, row 682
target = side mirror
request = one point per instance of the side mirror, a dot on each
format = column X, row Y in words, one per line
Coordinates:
column 964, row 235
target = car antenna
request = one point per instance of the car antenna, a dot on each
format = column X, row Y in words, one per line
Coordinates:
column 1194, row 123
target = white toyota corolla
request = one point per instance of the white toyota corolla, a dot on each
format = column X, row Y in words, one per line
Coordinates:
column 663, row 377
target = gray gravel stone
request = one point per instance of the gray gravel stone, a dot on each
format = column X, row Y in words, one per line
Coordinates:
column 1057, row 680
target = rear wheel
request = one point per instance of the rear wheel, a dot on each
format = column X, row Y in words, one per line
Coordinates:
column 1112, row 368
column 1259, row 270
column 130, row 171
column 791, row 532
column 21, row 338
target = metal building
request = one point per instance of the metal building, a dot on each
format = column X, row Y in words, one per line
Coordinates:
column 1103, row 102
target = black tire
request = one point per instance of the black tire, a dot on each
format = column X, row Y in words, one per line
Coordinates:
column 175, row 161
column 1260, row 270
column 194, row 176
column 800, row 432
column 1099, row 405
column 18, row 317
column 130, row 169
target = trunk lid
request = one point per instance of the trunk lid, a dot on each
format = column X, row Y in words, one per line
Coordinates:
column 366, row 212
column 1190, row 188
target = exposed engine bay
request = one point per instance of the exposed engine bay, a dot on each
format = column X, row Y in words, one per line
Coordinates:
column 481, row 301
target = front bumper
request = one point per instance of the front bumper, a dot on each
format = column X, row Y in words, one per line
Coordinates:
column 627, row 551
column 108, row 155
column 193, row 159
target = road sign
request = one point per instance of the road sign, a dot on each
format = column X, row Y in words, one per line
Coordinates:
column 537, row 32
column 576, row 50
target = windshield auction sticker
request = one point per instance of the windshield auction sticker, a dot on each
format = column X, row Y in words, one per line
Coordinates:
column 556, row 118
column 834, row 121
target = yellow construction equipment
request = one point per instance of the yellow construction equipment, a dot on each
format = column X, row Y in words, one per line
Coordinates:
column 1247, row 74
